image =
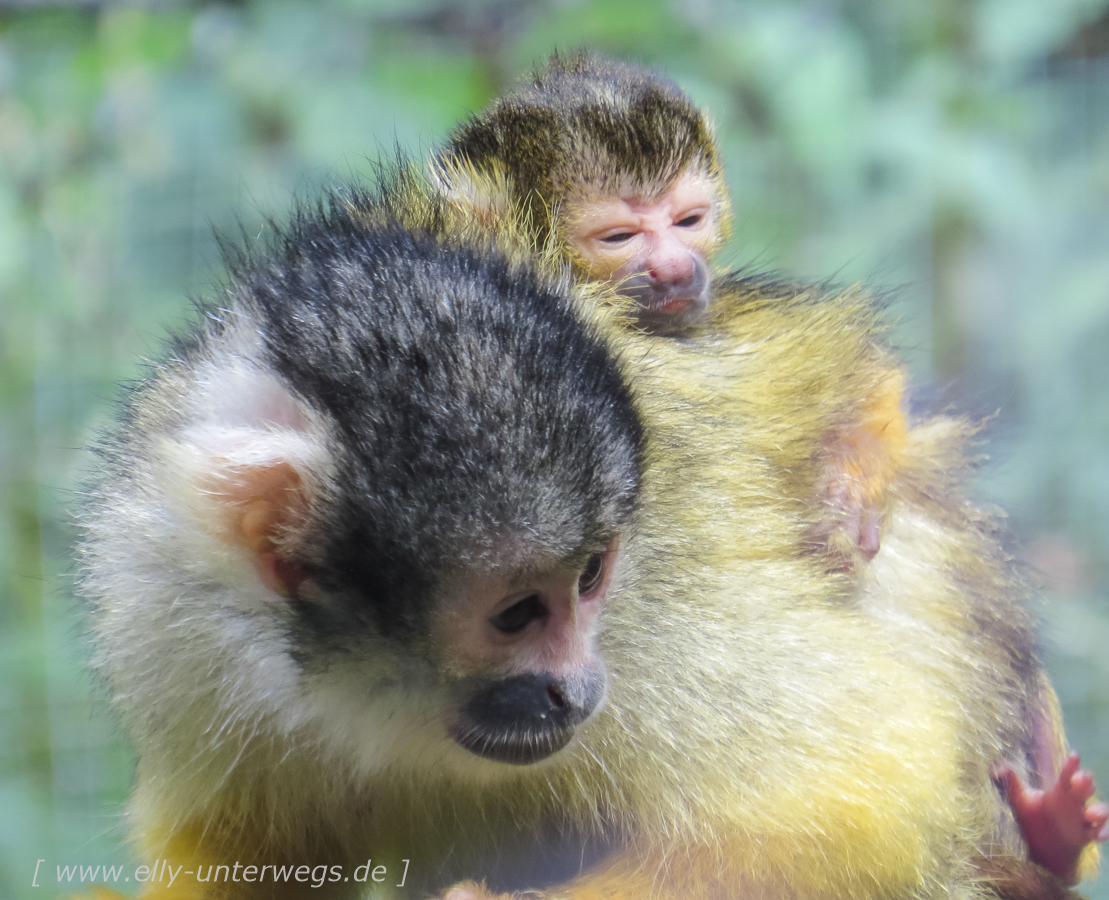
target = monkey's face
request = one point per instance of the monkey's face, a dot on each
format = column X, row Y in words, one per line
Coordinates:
column 499, row 656
column 524, row 668
column 654, row 248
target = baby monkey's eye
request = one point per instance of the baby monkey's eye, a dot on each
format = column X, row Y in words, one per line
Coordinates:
column 591, row 575
column 618, row 238
column 690, row 221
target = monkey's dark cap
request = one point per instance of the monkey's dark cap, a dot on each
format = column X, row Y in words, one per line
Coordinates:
column 473, row 413
column 582, row 119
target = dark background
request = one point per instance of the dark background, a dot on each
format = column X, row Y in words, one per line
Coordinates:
column 953, row 153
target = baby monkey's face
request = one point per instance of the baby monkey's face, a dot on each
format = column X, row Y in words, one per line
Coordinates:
column 654, row 248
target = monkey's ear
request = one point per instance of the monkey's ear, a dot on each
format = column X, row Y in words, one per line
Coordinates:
column 488, row 193
column 247, row 473
column 262, row 507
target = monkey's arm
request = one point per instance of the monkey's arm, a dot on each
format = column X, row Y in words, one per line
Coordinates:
column 1009, row 878
column 1060, row 824
column 1057, row 819
column 826, row 402
column 857, row 464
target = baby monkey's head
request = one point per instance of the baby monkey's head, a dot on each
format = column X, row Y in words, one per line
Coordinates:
column 617, row 164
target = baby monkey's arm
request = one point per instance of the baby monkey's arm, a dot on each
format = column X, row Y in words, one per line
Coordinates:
column 857, row 464
column 1059, row 822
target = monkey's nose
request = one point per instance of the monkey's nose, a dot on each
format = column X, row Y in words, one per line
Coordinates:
column 535, row 701
column 671, row 267
column 525, row 718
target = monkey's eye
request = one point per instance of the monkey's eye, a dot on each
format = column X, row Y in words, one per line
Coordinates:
column 592, row 574
column 519, row 615
column 620, row 237
column 690, row 221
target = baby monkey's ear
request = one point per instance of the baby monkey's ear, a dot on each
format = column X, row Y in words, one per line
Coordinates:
column 246, row 475
column 487, row 194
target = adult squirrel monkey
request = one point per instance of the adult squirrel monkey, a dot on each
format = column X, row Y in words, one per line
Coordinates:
column 407, row 563
column 614, row 167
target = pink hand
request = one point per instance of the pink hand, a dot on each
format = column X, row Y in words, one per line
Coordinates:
column 1057, row 823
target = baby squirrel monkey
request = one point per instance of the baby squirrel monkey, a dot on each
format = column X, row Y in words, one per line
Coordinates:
column 406, row 554
column 618, row 169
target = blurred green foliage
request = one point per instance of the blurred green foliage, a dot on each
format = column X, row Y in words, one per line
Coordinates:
column 955, row 152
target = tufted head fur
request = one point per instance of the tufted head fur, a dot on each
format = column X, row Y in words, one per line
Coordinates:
column 583, row 126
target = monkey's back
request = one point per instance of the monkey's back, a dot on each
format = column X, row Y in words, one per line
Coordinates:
column 851, row 719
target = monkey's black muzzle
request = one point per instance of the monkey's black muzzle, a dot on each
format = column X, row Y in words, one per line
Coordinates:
column 526, row 718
